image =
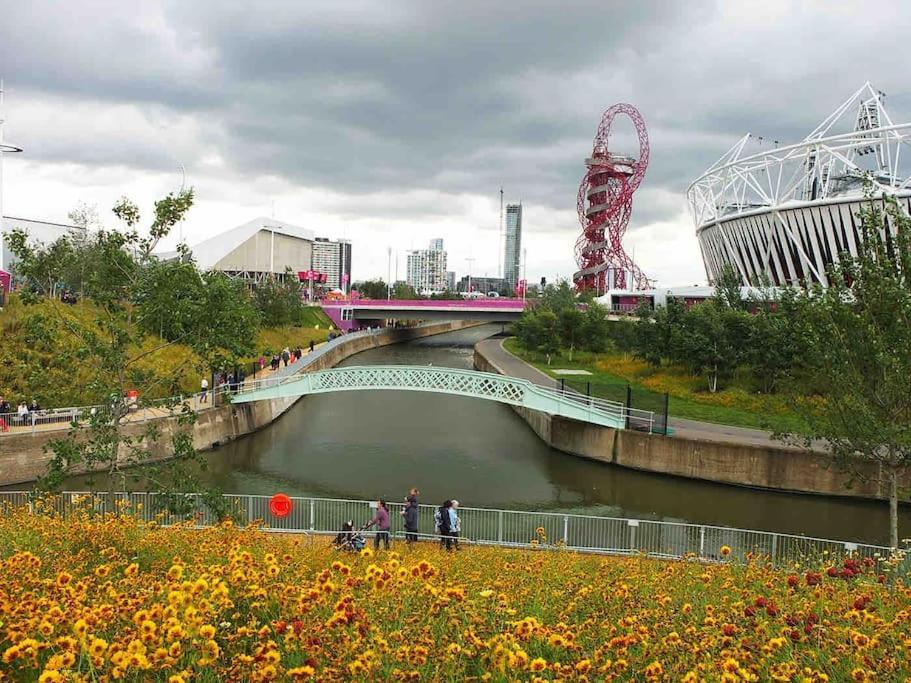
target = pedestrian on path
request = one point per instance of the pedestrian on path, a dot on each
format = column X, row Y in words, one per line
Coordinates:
column 204, row 391
column 442, row 521
column 312, row 345
column 455, row 523
column 286, row 356
column 410, row 513
column 381, row 520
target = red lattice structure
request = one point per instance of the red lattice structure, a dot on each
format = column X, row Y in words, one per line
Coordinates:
column 607, row 187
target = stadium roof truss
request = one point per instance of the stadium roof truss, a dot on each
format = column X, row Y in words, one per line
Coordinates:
column 824, row 165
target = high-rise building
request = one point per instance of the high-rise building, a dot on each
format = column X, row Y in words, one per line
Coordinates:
column 513, row 252
column 333, row 257
column 450, row 280
column 427, row 268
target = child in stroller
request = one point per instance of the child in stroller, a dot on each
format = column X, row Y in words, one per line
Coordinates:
column 349, row 539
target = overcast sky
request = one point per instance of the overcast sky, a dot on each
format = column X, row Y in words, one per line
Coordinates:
column 392, row 123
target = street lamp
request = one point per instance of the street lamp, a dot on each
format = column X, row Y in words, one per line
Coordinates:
column 470, row 260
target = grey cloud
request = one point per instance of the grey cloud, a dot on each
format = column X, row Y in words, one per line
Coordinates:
column 456, row 97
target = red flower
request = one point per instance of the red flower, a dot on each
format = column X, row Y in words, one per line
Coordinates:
column 793, row 580
column 771, row 610
column 749, row 611
column 281, row 626
column 728, row 629
column 813, row 578
column 832, row 571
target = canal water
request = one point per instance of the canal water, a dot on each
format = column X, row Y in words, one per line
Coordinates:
column 370, row 444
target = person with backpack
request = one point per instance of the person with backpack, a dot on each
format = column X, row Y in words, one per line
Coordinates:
column 382, row 525
column 442, row 521
column 410, row 513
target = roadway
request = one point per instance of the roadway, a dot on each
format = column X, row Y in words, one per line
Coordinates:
column 690, row 429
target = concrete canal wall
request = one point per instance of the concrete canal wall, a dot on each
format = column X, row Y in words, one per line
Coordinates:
column 780, row 469
column 23, row 457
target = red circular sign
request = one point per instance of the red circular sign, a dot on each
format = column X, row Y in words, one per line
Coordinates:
column 280, row 505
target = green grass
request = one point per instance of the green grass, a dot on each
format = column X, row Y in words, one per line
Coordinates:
column 612, row 371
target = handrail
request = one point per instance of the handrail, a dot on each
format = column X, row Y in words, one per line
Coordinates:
column 489, row 526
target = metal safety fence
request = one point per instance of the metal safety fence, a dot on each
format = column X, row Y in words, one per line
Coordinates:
column 511, row 528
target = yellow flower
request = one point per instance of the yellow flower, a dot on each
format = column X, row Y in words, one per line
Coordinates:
column 97, row 647
column 538, row 664
column 486, row 593
column 50, row 677
column 725, row 550
column 175, row 573
column 207, row 631
column 301, row 672
column 80, row 628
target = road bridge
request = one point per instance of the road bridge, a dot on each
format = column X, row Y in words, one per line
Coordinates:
column 356, row 313
column 482, row 385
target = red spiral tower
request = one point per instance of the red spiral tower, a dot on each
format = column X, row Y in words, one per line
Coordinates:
column 607, row 188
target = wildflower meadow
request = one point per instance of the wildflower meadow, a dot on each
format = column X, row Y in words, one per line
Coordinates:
column 92, row 598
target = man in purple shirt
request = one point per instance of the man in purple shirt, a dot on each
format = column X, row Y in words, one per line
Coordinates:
column 381, row 520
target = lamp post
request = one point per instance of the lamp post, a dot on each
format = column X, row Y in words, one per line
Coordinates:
column 470, row 259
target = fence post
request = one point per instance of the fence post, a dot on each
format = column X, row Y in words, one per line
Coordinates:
column 774, row 548
column 629, row 401
column 701, row 542
column 562, row 385
column 633, row 525
column 500, row 527
column 565, row 529
column 666, row 411
column 312, row 514
column 249, row 509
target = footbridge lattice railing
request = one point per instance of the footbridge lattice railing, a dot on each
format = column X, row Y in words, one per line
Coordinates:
column 455, row 381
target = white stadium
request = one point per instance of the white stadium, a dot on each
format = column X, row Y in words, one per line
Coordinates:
column 784, row 214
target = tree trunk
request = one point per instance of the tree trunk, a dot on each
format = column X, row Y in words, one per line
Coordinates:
column 893, row 509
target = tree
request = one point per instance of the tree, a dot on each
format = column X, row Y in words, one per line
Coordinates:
column 595, row 332
column 771, row 346
column 727, row 288
column 123, row 279
column 279, row 300
column 569, row 321
column 855, row 352
column 710, row 341
column 654, row 331
column 402, row 290
column 538, row 330
column 371, row 289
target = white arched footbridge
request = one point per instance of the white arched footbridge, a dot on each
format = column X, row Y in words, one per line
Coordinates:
column 484, row 385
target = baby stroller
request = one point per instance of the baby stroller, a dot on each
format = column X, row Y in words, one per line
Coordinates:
column 349, row 539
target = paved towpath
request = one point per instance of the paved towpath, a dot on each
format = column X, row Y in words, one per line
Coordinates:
column 692, row 429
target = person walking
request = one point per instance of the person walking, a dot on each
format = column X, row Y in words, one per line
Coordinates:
column 312, row 346
column 286, row 356
column 443, row 521
column 410, row 513
column 455, row 523
column 204, row 391
column 381, row 520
